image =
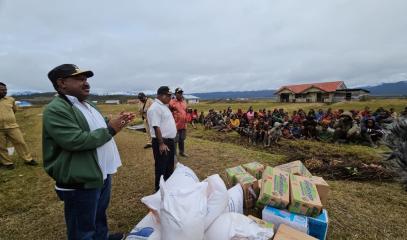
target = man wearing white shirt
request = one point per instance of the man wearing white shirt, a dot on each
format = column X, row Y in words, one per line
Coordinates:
column 163, row 131
column 80, row 153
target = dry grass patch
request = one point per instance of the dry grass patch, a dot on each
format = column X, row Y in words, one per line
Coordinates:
column 367, row 210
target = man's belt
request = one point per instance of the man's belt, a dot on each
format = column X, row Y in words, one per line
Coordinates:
column 71, row 185
column 165, row 139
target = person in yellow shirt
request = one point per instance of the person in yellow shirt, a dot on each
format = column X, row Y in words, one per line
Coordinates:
column 143, row 105
column 9, row 130
column 234, row 122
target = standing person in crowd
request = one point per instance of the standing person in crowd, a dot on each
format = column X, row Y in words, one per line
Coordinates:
column 190, row 117
column 143, row 105
column 250, row 114
column 80, row 153
column 9, row 130
column 178, row 107
column 163, row 132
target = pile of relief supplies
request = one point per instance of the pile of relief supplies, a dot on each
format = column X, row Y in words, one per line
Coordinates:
column 284, row 202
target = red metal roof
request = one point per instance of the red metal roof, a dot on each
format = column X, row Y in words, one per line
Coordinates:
column 324, row 86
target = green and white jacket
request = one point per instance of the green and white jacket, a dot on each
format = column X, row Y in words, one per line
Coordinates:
column 69, row 147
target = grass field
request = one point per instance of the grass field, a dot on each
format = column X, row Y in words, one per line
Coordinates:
column 358, row 210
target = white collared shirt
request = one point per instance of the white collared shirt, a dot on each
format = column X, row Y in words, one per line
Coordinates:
column 108, row 154
column 159, row 115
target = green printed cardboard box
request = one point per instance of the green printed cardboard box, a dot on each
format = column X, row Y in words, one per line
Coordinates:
column 231, row 174
column 304, row 196
column 296, row 168
column 262, row 223
column 250, row 187
column 255, row 169
column 274, row 188
column 323, row 189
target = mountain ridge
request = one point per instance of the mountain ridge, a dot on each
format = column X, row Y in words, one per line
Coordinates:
column 396, row 89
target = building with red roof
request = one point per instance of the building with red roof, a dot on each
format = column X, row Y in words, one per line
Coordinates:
column 319, row 92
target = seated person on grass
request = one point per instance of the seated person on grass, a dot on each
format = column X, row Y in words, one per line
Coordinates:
column 234, row 122
column 324, row 134
column 372, row 132
column 274, row 134
column 286, row 130
column 345, row 129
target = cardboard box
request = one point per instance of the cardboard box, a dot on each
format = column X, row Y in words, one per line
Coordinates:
column 304, row 198
column 250, row 189
column 318, row 226
column 278, row 217
column 296, row 168
column 255, row 169
column 274, row 190
column 231, row 174
column 285, row 232
column 323, row 189
column 262, row 223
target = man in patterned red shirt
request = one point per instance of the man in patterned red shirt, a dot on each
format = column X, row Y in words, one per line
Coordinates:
column 178, row 108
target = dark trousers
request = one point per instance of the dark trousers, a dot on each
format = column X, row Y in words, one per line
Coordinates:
column 164, row 163
column 85, row 212
column 180, row 140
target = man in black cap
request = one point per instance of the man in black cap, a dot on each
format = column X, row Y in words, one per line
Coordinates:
column 80, row 153
column 163, row 132
column 178, row 107
column 144, row 105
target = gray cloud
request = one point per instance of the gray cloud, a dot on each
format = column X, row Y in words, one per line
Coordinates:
column 204, row 46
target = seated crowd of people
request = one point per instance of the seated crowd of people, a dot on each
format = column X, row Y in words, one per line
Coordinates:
column 266, row 127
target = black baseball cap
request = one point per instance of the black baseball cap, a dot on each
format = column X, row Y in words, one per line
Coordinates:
column 179, row 90
column 141, row 95
column 164, row 90
column 67, row 70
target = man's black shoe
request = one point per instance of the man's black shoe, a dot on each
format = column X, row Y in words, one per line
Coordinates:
column 116, row 236
column 32, row 163
column 9, row 167
column 148, row 145
column 183, row 155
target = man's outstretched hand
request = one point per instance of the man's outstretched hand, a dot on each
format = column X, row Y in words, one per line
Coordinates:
column 118, row 123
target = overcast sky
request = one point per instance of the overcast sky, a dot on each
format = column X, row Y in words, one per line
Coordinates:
column 204, row 46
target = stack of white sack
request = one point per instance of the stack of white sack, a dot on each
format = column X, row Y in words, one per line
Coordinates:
column 183, row 211
column 235, row 195
column 186, row 209
column 182, row 177
column 237, row 226
column 180, row 206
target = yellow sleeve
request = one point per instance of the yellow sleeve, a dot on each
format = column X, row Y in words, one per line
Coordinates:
column 14, row 105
